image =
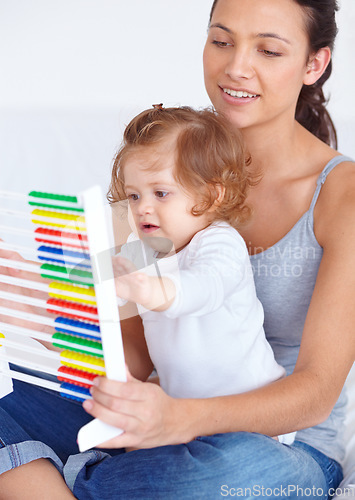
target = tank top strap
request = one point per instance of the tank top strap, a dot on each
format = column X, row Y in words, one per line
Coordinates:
column 323, row 176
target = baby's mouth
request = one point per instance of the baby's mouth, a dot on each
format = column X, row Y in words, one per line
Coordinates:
column 148, row 228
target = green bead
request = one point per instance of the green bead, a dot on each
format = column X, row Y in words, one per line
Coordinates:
column 61, row 197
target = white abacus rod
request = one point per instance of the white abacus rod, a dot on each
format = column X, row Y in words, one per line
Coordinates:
column 16, row 248
column 80, row 260
column 36, row 268
column 42, row 287
column 22, row 283
column 31, row 349
column 11, row 195
column 78, row 222
column 61, row 240
column 23, row 299
column 30, row 301
column 55, row 355
column 44, row 320
column 13, row 230
column 45, row 337
column 14, row 213
column 40, row 382
column 43, row 368
column 21, row 266
column 24, row 332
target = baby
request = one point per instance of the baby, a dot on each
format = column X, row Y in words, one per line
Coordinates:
column 185, row 175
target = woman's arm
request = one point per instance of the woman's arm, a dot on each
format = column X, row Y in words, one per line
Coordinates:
column 26, row 292
column 300, row 400
column 135, row 347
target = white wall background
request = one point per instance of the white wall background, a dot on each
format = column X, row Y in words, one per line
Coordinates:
column 73, row 72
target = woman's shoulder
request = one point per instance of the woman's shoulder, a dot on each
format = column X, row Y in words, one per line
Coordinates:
column 318, row 157
column 335, row 208
column 337, row 176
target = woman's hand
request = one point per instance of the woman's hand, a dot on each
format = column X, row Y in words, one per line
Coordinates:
column 23, row 275
column 7, row 272
column 148, row 416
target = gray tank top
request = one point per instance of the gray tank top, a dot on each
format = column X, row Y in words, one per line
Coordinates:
column 285, row 275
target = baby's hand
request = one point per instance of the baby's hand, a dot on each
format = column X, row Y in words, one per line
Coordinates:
column 149, row 291
column 131, row 284
column 122, row 266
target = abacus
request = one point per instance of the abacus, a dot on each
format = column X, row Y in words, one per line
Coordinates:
column 73, row 266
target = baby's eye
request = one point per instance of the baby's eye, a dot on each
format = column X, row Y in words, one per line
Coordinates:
column 161, row 194
column 133, row 197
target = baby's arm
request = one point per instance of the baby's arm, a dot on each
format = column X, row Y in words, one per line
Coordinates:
column 217, row 261
column 153, row 293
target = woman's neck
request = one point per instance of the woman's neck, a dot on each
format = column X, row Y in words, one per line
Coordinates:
column 267, row 144
column 286, row 152
column 272, row 148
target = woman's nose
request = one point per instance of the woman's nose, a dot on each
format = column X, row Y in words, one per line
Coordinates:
column 239, row 64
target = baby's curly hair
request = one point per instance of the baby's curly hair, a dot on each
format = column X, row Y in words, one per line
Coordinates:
column 208, row 155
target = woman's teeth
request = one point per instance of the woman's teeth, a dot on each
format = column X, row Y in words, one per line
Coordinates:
column 238, row 93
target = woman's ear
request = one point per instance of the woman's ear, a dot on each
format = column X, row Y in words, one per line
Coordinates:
column 316, row 66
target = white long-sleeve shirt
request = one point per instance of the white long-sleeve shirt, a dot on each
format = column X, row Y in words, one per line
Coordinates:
column 211, row 341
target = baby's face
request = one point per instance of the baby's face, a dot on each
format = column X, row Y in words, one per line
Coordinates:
column 160, row 208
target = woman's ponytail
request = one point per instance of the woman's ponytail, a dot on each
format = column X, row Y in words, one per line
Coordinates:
column 322, row 30
column 312, row 113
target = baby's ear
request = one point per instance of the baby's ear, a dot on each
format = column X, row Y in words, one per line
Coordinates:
column 220, row 191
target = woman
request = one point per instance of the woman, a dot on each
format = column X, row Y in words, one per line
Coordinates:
column 265, row 63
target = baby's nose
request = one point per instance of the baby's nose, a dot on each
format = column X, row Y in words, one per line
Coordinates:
column 145, row 206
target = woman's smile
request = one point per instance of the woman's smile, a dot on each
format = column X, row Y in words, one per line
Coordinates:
column 252, row 49
column 238, row 97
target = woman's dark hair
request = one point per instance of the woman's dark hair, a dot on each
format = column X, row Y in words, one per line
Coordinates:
column 322, row 30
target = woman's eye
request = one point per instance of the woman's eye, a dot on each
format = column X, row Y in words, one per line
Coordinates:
column 133, row 197
column 270, row 53
column 221, row 44
column 161, row 194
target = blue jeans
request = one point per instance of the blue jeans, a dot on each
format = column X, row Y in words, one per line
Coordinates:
column 36, row 423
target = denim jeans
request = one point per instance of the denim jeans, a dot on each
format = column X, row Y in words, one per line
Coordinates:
column 36, row 423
